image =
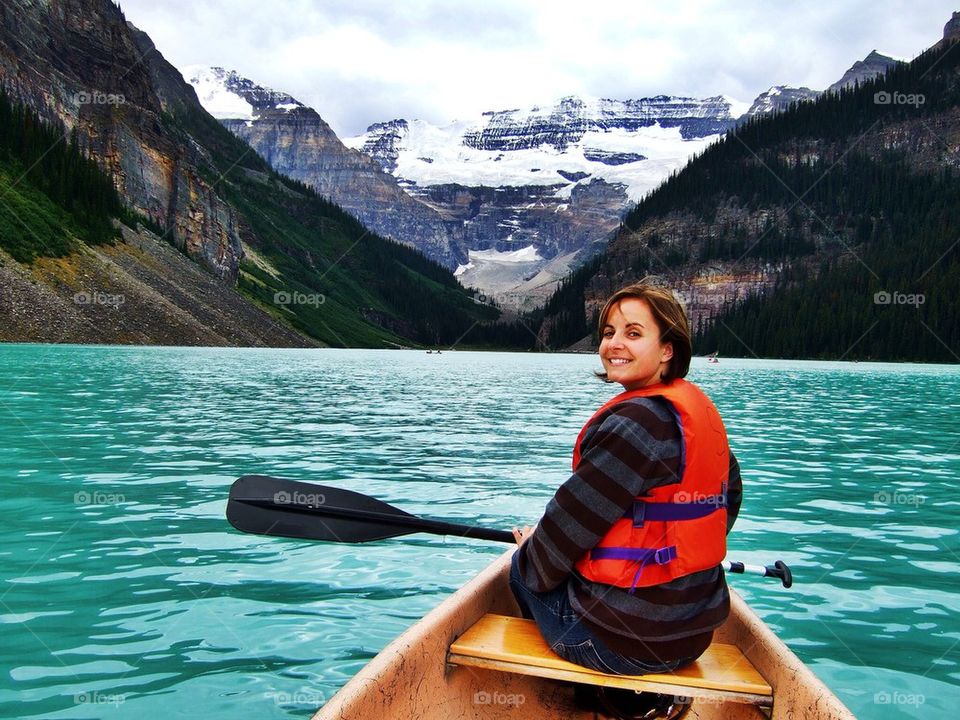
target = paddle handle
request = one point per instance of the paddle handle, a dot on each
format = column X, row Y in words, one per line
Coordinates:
column 778, row 570
column 416, row 524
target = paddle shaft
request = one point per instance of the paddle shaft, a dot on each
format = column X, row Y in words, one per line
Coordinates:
column 416, row 524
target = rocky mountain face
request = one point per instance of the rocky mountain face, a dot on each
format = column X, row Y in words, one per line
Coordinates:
column 538, row 191
column 951, row 31
column 297, row 142
column 567, row 123
column 77, row 62
column 872, row 65
column 552, row 180
column 780, row 97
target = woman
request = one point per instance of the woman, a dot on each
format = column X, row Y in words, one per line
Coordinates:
column 622, row 572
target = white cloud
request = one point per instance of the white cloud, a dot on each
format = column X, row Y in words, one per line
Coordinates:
column 363, row 61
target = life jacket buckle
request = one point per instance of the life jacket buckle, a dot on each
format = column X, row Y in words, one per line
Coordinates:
column 664, row 555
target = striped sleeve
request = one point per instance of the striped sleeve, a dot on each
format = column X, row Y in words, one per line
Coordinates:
column 634, row 448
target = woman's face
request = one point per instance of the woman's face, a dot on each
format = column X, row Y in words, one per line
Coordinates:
column 630, row 347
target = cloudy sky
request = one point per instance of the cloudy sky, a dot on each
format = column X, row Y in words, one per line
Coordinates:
column 363, row 61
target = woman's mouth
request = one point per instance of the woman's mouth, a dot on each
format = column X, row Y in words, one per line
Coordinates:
column 618, row 361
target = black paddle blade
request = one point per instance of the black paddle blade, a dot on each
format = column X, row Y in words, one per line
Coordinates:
column 286, row 508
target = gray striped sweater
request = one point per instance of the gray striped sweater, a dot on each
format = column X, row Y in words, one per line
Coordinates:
column 632, row 448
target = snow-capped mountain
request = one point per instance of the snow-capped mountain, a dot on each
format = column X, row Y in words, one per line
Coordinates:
column 227, row 96
column 635, row 143
column 539, row 189
column 779, row 98
column 296, row 141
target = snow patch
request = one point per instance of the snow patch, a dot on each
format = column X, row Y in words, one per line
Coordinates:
column 898, row 58
column 461, row 269
column 737, row 107
column 215, row 98
column 524, row 255
column 431, row 155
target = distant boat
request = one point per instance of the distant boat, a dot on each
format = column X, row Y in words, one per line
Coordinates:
column 712, row 357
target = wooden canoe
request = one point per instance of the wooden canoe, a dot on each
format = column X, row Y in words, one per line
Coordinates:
column 414, row 676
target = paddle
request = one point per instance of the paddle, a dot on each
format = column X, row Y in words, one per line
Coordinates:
column 266, row 505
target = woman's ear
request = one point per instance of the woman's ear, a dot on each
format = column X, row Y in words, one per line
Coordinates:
column 666, row 353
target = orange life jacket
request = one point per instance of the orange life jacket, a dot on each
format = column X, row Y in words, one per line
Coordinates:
column 676, row 529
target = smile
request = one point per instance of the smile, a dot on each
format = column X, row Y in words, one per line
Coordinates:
column 618, row 361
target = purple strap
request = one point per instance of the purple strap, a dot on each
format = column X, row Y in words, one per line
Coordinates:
column 661, row 556
column 640, row 512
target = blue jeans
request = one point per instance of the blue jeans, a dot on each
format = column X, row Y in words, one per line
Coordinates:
column 570, row 638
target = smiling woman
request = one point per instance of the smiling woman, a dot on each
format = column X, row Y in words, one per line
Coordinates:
column 631, row 347
column 644, row 337
column 623, row 573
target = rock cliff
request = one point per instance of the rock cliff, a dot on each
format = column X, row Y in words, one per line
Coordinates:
column 77, row 61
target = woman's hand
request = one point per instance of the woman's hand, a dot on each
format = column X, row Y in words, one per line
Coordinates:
column 521, row 535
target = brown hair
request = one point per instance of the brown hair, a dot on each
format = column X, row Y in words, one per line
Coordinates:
column 671, row 321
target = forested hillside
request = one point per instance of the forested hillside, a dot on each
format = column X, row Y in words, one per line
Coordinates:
column 845, row 208
column 51, row 192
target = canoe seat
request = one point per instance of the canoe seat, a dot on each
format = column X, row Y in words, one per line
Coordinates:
column 515, row 645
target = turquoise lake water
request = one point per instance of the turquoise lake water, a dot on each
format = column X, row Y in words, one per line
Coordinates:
column 124, row 593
